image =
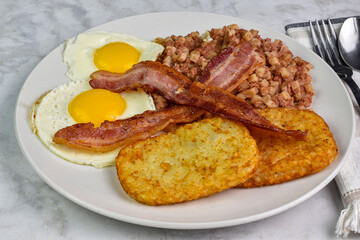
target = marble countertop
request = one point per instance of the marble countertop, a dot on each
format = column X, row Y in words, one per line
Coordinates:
column 30, row 209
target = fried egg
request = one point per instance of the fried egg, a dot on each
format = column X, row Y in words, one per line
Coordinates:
column 77, row 102
column 110, row 51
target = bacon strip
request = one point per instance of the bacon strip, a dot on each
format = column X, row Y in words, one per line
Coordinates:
column 149, row 76
column 112, row 135
column 157, row 78
column 232, row 66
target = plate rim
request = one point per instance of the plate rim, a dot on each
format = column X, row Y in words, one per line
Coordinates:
column 181, row 225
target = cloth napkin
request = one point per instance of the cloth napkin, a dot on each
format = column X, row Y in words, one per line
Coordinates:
column 348, row 179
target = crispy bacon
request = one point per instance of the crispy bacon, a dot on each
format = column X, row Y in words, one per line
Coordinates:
column 112, row 135
column 150, row 76
column 232, row 66
column 157, row 78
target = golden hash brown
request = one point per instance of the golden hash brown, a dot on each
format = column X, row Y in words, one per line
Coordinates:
column 283, row 158
column 195, row 161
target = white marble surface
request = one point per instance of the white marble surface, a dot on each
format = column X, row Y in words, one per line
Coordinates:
column 30, row 209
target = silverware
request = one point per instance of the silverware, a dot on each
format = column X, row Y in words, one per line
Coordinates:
column 349, row 42
column 328, row 51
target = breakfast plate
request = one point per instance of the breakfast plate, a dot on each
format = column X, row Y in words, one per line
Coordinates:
column 99, row 189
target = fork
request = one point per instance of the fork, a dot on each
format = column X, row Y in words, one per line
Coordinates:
column 329, row 51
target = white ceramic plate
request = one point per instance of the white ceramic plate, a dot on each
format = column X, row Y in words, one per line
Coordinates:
column 99, row 189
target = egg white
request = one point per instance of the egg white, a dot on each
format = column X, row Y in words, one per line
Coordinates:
column 78, row 51
column 50, row 114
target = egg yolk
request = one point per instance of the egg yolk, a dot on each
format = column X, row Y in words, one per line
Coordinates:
column 96, row 106
column 116, row 57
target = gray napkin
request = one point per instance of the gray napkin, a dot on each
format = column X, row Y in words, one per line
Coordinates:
column 348, row 179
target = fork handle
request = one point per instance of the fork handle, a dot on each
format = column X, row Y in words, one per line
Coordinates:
column 354, row 88
column 346, row 75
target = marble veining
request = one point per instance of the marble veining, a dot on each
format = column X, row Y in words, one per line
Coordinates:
column 30, row 209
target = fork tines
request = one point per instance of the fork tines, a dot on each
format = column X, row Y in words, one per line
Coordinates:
column 325, row 49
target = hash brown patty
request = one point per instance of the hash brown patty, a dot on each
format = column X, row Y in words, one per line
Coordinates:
column 282, row 158
column 195, row 161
